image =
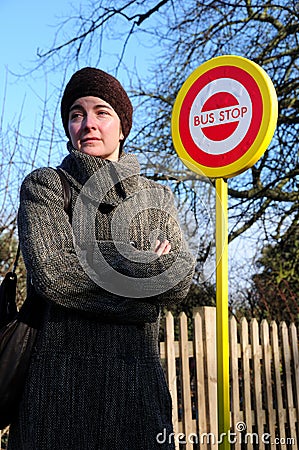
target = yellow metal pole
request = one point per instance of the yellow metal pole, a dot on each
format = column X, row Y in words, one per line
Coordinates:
column 222, row 314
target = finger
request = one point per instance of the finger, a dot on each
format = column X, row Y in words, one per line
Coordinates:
column 163, row 248
column 167, row 249
column 157, row 245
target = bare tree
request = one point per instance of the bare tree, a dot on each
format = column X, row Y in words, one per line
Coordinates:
column 20, row 153
column 180, row 36
column 185, row 34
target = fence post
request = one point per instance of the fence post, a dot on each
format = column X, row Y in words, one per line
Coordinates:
column 171, row 370
column 234, row 370
column 281, row 417
column 257, row 385
column 288, row 379
column 209, row 345
column 294, row 345
column 266, row 348
column 185, row 381
column 246, row 354
column 200, row 375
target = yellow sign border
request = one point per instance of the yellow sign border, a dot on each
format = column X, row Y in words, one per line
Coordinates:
column 267, row 128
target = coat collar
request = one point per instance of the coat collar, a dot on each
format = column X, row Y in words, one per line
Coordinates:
column 113, row 181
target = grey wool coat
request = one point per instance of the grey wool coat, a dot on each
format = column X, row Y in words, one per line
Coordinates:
column 95, row 380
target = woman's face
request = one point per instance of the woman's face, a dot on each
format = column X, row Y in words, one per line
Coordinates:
column 95, row 128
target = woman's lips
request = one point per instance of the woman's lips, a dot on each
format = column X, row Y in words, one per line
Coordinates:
column 89, row 139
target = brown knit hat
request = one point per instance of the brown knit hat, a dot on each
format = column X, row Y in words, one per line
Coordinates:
column 94, row 82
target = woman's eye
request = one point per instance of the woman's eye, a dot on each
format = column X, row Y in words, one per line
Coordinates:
column 76, row 115
column 102, row 113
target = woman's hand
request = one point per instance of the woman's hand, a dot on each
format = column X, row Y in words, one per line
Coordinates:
column 162, row 248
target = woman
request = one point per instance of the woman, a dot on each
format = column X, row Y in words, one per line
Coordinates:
column 106, row 269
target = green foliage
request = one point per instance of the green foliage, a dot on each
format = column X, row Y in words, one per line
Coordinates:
column 4, row 439
column 276, row 286
column 8, row 251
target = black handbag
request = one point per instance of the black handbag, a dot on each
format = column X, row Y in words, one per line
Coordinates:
column 18, row 333
column 17, row 339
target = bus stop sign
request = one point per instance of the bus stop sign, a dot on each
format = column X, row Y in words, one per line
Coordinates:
column 224, row 116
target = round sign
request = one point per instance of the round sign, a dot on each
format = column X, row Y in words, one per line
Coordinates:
column 224, row 116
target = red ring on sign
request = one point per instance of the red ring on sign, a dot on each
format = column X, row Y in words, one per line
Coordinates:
column 202, row 157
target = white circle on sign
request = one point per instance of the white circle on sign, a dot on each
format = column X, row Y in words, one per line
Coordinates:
column 237, row 90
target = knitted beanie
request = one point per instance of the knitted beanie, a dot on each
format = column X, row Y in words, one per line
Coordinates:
column 94, row 82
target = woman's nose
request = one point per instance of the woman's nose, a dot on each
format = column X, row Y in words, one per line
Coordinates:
column 89, row 122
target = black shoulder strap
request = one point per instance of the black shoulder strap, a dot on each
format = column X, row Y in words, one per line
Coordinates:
column 16, row 259
column 67, row 193
column 67, row 196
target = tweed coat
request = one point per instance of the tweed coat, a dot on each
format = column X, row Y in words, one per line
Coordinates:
column 95, row 380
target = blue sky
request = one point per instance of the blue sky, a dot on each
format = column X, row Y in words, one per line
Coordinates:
column 25, row 27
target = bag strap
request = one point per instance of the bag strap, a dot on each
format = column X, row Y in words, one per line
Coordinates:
column 67, row 193
column 16, row 260
column 67, row 196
